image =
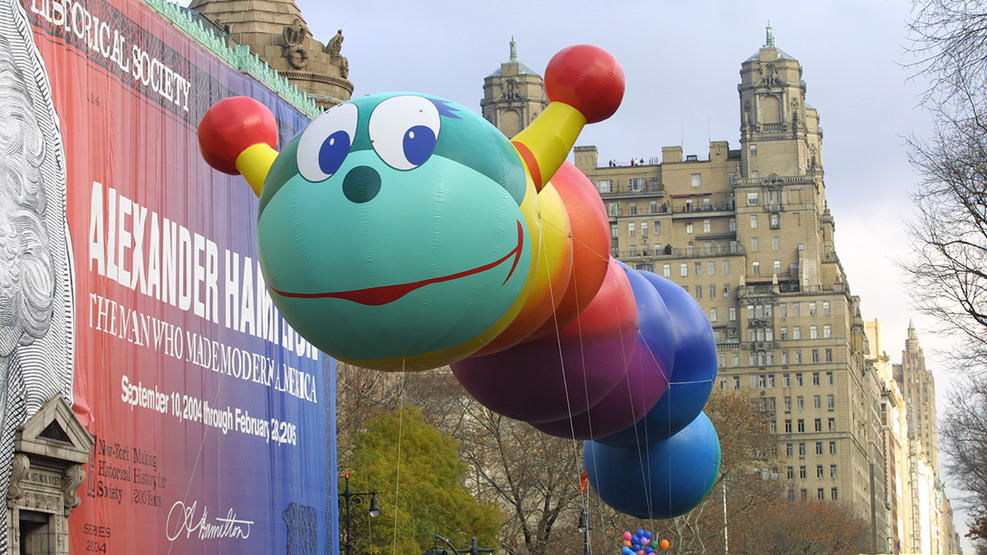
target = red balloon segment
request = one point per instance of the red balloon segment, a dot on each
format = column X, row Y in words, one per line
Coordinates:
column 230, row 127
column 552, row 377
column 587, row 78
column 590, row 244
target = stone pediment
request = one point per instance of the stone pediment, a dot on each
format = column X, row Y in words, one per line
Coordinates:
column 55, row 432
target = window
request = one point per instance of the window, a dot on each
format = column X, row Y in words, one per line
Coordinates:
column 798, row 360
column 644, row 229
column 832, row 447
column 821, row 493
column 802, row 472
column 815, row 378
column 712, row 291
column 731, row 178
column 762, row 381
column 753, row 199
column 796, row 332
column 801, row 425
column 788, row 403
column 775, row 221
column 636, row 184
column 707, row 226
column 817, row 427
column 801, row 448
column 712, row 315
column 653, row 205
column 726, row 267
column 699, row 268
column 800, row 402
column 697, row 179
column 631, row 229
column 829, row 358
column 819, row 450
column 736, row 381
column 830, row 402
column 633, row 207
column 805, row 494
column 786, row 381
column 831, row 424
column 819, row 471
column 782, row 310
column 755, row 244
column 732, row 224
column 783, row 333
column 826, row 310
column 657, row 227
column 827, row 331
column 796, row 308
column 683, row 270
column 605, row 185
column 784, row 358
column 708, row 247
column 798, row 377
column 771, row 381
column 726, row 290
column 699, row 291
column 789, row 451
column 833, row 492
column 753, row 150
column 790, row 473
column 632, row 251
column 666, row 270
column 813, row 332
column 688, row 227
column 832, row 473
column 788, row 426
column 817, row 403
column 753, row 221
column 812, row 308
column 777, row 267
column 756, row 268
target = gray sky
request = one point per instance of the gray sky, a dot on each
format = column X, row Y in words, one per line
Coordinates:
column 682, row 63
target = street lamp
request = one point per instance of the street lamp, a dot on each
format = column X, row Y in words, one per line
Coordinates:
column 584, row 528
column 356, row 498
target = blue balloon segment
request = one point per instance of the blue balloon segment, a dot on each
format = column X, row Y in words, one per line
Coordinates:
column 693, row 372
column 661, row 480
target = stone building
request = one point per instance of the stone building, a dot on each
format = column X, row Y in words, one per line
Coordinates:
column 276, row 31
column 513, row 95
column 918, row 386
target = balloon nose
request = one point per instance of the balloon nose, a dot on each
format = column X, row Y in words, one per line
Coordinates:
column 361, row 184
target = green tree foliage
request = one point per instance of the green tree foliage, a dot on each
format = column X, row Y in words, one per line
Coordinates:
column 419, row 479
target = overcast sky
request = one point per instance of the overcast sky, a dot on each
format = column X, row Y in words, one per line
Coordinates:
column 682, row 63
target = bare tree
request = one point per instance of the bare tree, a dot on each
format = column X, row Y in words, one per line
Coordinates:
column 948, row 271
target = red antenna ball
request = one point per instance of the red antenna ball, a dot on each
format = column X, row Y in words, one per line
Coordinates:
column 587, row 78
column 230, row 127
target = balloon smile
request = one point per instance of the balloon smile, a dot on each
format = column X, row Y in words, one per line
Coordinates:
column 376, row 296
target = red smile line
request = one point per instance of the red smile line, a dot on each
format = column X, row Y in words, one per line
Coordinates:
column 376, row 296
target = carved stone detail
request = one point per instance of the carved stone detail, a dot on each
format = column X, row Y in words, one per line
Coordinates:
column 19, row 467
column 71, row 480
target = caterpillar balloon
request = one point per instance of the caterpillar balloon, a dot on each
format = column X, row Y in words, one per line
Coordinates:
column 404, row 232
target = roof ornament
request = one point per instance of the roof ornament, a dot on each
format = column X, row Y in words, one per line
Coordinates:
column 769, row 36
column 513, row 50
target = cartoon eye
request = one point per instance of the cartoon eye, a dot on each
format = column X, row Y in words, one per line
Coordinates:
column 325, row 143
column 404, row 130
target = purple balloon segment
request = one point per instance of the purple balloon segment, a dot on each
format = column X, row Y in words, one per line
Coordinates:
column 552, row 377
column 647, row 373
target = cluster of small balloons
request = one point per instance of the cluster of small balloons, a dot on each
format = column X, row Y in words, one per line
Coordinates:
column 404, row 232
column 641, row 543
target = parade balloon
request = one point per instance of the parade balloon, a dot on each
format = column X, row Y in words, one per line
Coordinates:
column 692, row 375
column 401, row 231
column 646, row 378
column 661, row 480
column 550, row 378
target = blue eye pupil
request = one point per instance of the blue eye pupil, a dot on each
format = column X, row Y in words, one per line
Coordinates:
column 333, row 152
column 418, row 144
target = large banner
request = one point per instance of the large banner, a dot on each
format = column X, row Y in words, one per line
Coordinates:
column 141, row 298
